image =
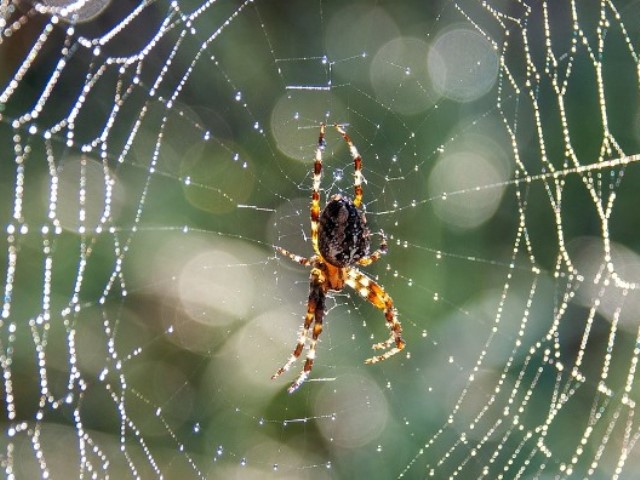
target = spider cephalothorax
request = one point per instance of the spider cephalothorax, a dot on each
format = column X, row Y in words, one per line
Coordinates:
column 341, row 240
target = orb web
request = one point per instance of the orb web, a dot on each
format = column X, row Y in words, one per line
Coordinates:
column 154, row 153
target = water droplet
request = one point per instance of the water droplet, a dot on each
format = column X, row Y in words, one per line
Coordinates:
column 243, row 462
column 338, row 174
column 238, row 96
column 196, row 428
column 379, row 448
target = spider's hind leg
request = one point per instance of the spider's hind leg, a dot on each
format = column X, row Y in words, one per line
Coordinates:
column 302, row 340
column 317, row 330
column 315, row 314
column 376, row 295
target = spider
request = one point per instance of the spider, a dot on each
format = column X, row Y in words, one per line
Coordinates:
column 341, row 241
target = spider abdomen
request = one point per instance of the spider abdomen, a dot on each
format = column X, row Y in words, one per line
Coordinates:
column 343, row 235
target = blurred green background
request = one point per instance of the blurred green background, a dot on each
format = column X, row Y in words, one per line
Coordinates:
column 152, row 155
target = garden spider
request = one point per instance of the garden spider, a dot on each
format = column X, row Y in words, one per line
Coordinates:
column 341, row 240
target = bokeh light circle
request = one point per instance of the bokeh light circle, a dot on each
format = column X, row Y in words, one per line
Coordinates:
column 77, row 11
column 361, row 410
column 296, row 118
column 216, row 287
column 399, row 76
column 466, row 188
column 463, row 65
column 356, row 32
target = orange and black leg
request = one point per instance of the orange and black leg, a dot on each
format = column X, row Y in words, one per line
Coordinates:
column 382, row 250
column 315, row 314
column 315, row 194
column 376, row 295
column 357, row 166
column 292, row 256
column 319, row 301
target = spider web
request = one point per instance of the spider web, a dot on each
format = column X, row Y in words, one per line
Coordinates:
column 154, row 152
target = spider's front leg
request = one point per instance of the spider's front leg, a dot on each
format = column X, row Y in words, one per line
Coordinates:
column 376, row 295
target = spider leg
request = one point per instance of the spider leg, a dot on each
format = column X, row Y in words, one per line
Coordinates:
column 319, row 299
column 315, row 311
column 376, row 295
column 302, row 338
column 315, row 195
column 382, row 249
column 357, row 165
column 292, row 256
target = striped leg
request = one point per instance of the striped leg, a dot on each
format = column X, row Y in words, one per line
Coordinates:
column 296, row 258
column 302, row 339
column 382, row 250
column 357, row 165
column 315, row 195
column 319, row 301
column 376, row 295
column 315, row 311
